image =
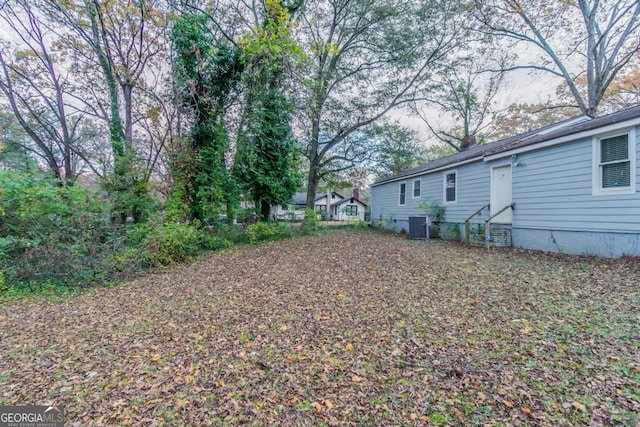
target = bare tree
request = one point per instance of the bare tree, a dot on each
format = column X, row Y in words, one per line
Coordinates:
column 465, row 94
column 589, row 40
column 35, row 83
column 366, row 57
column 119, row 43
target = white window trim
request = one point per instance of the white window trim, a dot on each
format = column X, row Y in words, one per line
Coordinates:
column 400, row 192
column 444, row 187
column 413, row 188
column 597, row 189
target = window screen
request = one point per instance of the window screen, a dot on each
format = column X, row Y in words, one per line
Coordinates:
column 416, row 188
column 450, row 187
column 403, row 193
column 615, row 165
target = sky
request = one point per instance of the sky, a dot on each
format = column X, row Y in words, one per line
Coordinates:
column 519, row 86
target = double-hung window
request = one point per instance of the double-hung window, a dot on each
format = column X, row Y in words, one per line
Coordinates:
column 351, row 210
column 450, row 186
column 416, row 188
column 403, row 194
column 614, row 164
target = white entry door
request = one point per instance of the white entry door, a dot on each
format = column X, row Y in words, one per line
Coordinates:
column 501, row 193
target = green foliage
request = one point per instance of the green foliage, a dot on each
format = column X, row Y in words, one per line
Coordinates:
column 433, row 209
column 266, row 164
column 359, row 224
column 216, row 243
column 127, row 261
column 172, row 243
column 310, row 222
column 50, row 233
column 450, row 231
column 234, row 234
column 395, row 149
column 128, row 191
column 439, row 151
column 206, row 70
column 262, row 231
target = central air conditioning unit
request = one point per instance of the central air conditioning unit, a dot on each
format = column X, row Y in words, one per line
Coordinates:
column 418, row 227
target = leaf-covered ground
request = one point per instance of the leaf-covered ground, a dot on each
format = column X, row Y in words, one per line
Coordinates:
column 352, row 328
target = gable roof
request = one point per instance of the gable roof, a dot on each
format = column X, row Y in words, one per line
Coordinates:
column 565, row 128
column 351, row 199
column 300, row 198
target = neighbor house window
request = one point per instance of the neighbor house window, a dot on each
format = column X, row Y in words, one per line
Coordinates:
column 450, row 187
column 351, row 210
column 416, row 188
column 321, row 208
column 403, row 193
column 614, row 164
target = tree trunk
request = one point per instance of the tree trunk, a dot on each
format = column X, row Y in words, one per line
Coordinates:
column 265, row 210
column 314, row 162
column 127, row 95
column 312, row 183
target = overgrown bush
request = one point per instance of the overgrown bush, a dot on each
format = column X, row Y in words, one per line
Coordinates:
column 310, row 222
column 51, row 233
column 172, row 243
column 261, row 231
column 231, row 233
column 216, row 243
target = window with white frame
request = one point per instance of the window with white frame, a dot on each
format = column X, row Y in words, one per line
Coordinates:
column 416, row 188
column 403, row 194
column 614, row 164
column 450, row 186
column 351, row 210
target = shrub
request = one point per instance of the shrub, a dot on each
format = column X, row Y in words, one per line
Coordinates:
column 310, row 222
column 261, row 231
column 216, row 243
column 359, row 224
column 172, row 243
column 232, row 233
column 127, row 262
column 48, row 233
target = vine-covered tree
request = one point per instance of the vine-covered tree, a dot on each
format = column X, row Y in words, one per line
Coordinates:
column 207, row 69
column 266, row 159
column 113, row 46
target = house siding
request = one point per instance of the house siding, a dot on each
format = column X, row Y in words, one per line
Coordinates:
column 557, row 211
column 553, row 191
column 472, row 183
column 385, row 209
column 342, row 216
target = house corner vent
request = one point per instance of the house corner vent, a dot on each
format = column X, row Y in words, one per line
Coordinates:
column 419, row 227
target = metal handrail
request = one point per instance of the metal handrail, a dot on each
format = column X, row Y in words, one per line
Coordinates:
column 487, row 224
column 467, row 222
column 512, row 206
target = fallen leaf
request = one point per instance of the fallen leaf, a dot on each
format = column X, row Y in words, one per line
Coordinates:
column 526, row 330
column 579, row 406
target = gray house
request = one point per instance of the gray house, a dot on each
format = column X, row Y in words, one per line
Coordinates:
column 569, row 188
